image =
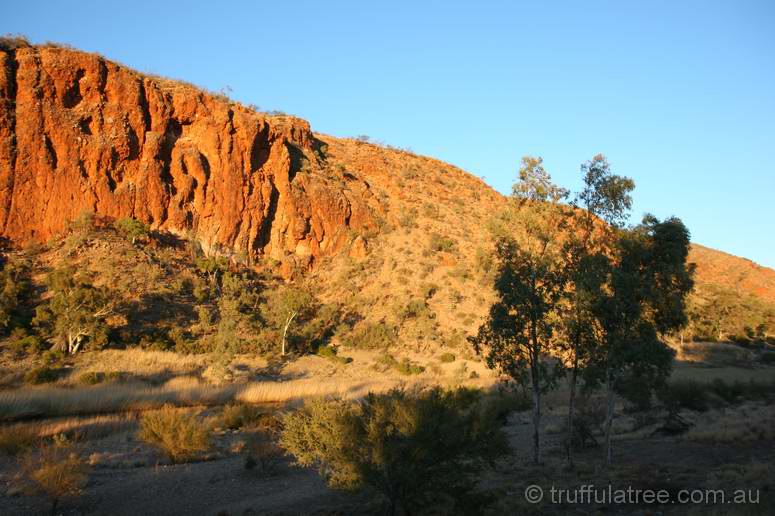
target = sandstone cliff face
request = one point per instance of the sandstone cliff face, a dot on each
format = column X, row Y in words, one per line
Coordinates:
column 78, row 132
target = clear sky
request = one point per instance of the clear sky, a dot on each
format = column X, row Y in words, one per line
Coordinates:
column 680, row 95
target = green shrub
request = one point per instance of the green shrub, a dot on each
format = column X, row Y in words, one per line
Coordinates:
column 132, row 229
column 684, row 394
column 96, row 377
column 439, row 243
column 179, row 434
column 53, row 356
column 405, row 366
column 414, row 308
column 372, row 336
column 735, row 392
column 420, row 450
column 447, row 358
column 42, row 374
column 237, row 416
column 331, row 354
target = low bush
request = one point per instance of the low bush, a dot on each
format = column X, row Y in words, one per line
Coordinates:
column 447, row 358
column 96, row 377
column 16, row 439
column 440, row 243
column 684, row 394
column 698, row 396
column 55, row 472
column 181, row 435
column 735, row 392
column 405, row 366
column 263, row 455
column 372, row 336
column 42, row 374
column 331, row 354
column 52, row 357
column 28, row 345
column 418, row 449
column 236, row 416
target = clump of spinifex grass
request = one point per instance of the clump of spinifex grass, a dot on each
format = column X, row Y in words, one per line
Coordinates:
column 180, row 434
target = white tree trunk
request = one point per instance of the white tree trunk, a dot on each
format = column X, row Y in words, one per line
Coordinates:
column 285, row 330
column 609, row 416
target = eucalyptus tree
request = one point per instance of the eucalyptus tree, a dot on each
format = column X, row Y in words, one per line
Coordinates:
column 522, row 324
column 600, row 209
column 642, row 300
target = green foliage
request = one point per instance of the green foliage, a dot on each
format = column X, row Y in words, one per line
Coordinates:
column 287, row 309
column 132, row 229
column 52, row 357
column 717, row 313
column 418, row 450
column 372, row 336
column 23, row 344
column 684, row 394
column 699, row 396
column 414, row 309
column 97, row 377
column 447, row 358
column 529, row 285
column 181, row 435
column 439, row 243
column 405, row 366
column 237, row 416
column 80, row 231
column 331, row 354
column 76, row 311
column 14, row 285
column 643, row 299
column 42, row 374
column 237, row 312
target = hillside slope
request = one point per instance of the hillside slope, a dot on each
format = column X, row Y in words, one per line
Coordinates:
column 401, row 238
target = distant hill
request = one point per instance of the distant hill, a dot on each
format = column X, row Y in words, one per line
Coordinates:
column 400, row 238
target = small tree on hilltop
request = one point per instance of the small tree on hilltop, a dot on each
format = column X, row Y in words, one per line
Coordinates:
column 75, row 312
column 529, row 284
column 132, row 229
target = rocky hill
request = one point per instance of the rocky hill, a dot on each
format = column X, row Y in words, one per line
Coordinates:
column 379, row 227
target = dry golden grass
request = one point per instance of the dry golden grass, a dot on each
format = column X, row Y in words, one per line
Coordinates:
column 179, row 433
column 141, row 362
column 745, row 423
column 14, row 440
column 714, row 353
column 184, row 391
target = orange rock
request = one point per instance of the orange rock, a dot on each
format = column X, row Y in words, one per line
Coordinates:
column 78, row 132
column 359, row 249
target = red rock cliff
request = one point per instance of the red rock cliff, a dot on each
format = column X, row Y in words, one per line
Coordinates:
column 78, row 132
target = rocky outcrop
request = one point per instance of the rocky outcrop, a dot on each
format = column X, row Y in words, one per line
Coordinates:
column 78, row 132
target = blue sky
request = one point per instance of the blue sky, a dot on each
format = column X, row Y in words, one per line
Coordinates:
column 679, row 95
